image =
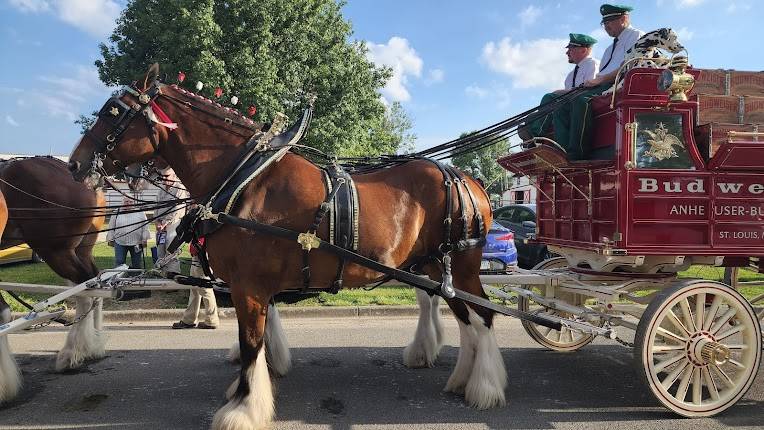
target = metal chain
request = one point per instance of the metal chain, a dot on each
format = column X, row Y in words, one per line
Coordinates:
column 624, row 343
column 67, row 324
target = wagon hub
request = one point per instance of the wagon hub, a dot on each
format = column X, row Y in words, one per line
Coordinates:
column 703, row 350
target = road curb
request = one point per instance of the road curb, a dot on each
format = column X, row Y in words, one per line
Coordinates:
column 286, row 312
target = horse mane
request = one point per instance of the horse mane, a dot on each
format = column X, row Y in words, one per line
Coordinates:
column 4, row 162
column 217, row 106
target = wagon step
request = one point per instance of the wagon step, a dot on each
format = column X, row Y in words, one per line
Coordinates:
column 571, row 324
column 29, row 320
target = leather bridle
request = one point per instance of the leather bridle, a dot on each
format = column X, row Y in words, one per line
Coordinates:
column 121, row 115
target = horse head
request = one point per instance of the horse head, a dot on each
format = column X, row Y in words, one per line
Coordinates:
column 124, row 132
column 140, row 175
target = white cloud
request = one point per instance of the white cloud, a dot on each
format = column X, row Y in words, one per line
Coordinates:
column 435, row 76
column 402, row 59
column 735, row 7
column 34, row 6
column 529, row 15
column 497, row 93
column 9, row 119
column 64, row 96
column 96, row 17
column 545, row 68
column 684, row 34
column 689, row 3
column 476, row 91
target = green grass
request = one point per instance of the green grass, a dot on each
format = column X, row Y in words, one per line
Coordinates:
column 40, row 273
column 382, row 296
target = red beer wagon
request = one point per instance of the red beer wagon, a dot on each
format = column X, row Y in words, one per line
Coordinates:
column 660, row 194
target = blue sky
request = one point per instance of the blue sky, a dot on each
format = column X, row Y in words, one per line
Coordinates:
column 459, row 66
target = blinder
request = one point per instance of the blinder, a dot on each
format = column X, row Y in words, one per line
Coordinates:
column 120, row 115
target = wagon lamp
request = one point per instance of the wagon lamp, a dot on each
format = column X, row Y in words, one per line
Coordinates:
column 675, row 80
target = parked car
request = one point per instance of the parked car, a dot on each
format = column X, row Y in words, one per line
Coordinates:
column 521, row 219
column 17, row 254
column 499, row 252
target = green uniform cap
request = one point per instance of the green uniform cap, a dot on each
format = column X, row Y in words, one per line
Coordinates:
column 577, row 39
column 613, row 11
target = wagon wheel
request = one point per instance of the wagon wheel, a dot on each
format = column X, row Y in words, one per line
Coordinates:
column 562, row 340
column 698, row 345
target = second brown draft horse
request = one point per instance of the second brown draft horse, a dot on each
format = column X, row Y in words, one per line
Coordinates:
column 10, row 376
column 402, row 212
column 46, row 211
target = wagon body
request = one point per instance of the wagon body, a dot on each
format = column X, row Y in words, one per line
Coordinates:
column 660, row 193
column 656, row 189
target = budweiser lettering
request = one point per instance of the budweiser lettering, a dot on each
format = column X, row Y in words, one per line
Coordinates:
column 696, row 186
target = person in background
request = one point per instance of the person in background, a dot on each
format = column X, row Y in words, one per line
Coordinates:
column 197, row 295
column 129, row 233
column 167, row 220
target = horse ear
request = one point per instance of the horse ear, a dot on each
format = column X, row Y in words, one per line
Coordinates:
column 151, row 76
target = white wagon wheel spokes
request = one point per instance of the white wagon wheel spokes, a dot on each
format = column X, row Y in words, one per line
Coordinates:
column 699, row 345
column 557, row 340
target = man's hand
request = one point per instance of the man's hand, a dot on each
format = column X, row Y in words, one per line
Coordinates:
column 593, row 82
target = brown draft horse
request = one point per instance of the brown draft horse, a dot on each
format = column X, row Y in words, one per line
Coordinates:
column 401, row 219
column 10, row 375
column 44, row 204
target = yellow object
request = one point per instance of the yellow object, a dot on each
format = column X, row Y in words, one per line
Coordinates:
column 16, row 254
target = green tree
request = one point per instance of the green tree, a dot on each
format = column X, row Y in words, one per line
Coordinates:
column 482, row 164
column 270, row 53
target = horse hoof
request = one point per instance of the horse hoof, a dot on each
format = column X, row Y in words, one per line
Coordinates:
column 485, row 395
column 417, row 356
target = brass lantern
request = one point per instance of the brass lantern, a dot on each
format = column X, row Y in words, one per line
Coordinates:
column 675, row 80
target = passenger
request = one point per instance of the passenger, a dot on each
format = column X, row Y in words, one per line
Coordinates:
column 572, row 121
column 579, row 52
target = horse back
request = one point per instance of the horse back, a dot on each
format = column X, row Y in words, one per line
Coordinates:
column 400, row 208
column 45, row 200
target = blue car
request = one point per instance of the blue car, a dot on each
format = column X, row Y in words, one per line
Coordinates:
column 499, row 252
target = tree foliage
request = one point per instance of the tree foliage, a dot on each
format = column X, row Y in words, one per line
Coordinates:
column 482, row 164
column 270, row 53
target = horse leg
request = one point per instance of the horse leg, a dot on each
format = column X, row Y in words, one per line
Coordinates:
column 83, row 341
column 424, row 349
column 10, row 375
column 479, row 370
column 467, row 349
column 277, row 348
column 437, row 323
column 251, row 403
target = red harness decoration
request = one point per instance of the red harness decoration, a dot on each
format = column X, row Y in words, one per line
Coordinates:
column 164, row 120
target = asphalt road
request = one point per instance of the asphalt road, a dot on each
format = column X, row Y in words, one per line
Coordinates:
column 347, row 374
